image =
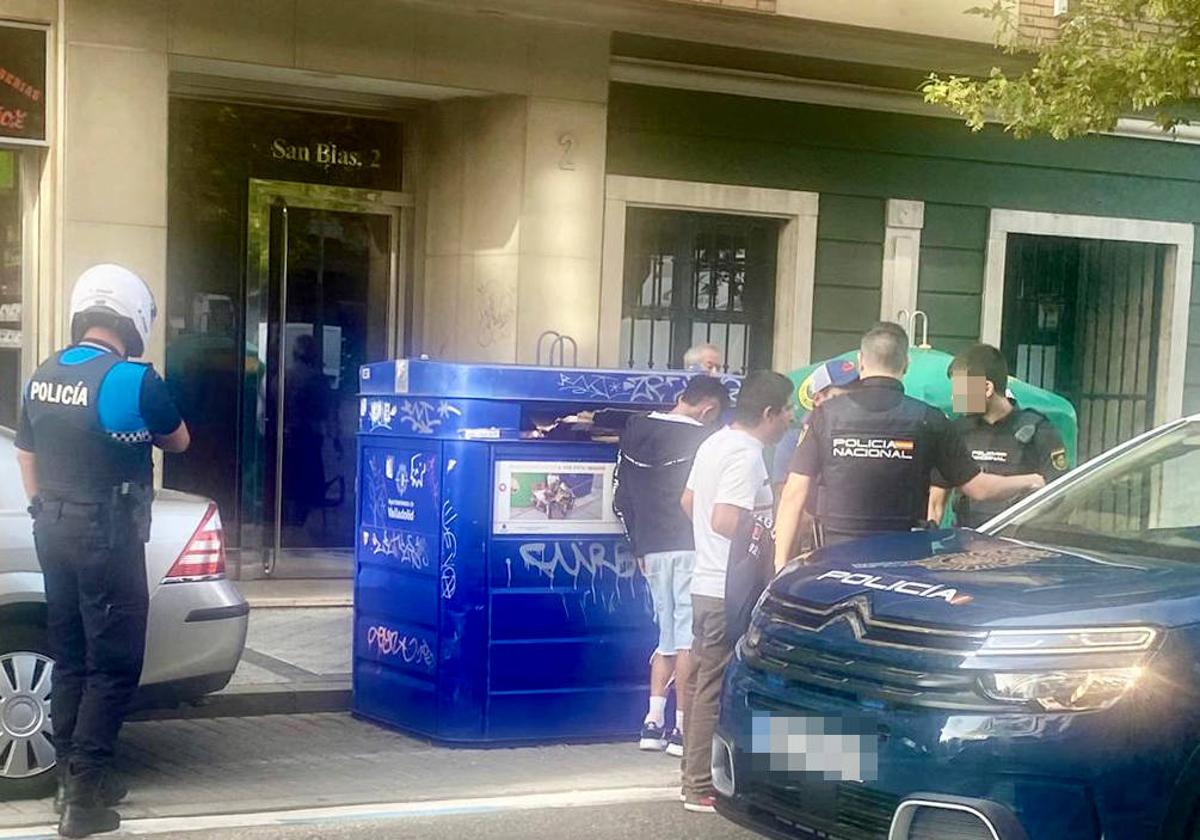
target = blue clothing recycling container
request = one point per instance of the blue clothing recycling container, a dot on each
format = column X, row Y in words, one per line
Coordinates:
column 495, row 596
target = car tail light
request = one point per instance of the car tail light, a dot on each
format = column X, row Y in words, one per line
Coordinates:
column 203, row 558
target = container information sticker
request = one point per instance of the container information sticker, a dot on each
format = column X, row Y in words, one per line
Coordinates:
column 554, row 497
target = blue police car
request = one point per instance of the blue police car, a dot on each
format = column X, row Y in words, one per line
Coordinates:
column 1037, row 679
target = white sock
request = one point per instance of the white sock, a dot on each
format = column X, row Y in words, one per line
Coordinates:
column 679, row 720
column 658, row 711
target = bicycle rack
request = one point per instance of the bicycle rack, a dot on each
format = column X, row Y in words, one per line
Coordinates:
column 558, row 342
column 909, row 320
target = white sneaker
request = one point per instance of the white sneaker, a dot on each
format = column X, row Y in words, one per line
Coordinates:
column 701, row 804
column 675, row 743
column 653, row 739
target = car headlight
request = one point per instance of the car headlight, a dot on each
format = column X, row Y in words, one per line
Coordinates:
column 1072, row 640
column 1063, row 691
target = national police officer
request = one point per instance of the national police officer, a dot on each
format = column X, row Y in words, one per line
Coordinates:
column 1002, row 437
column 88, row 423
column 872, row 451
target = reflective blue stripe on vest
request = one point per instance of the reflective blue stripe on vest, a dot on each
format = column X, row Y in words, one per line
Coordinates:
column 120, row 402
column 79, row 355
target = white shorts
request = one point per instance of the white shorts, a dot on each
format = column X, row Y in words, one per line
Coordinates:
column 669, row 576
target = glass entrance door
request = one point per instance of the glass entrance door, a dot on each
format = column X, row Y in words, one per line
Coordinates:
column 323, row 301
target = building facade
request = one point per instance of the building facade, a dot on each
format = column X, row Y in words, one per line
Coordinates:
column 311, row 185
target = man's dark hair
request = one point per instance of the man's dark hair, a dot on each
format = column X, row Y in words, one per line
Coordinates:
column 761, row 390
column 704, row 387
column 982, row 360
column 885, row 346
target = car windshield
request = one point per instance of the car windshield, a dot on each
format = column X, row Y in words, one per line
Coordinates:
column 1144, row 502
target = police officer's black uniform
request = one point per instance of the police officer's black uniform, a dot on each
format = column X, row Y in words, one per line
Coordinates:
column 90, row 417
column 871, row 453
column 1021, row 443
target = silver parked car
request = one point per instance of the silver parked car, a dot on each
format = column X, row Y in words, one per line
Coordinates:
column 196, row 628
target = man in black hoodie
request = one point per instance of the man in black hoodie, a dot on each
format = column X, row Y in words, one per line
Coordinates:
column 656, row 456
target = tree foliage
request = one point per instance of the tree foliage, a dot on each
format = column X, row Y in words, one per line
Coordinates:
column 1110, row 59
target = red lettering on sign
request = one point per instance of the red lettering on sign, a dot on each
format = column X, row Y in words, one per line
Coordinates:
column 12, row 118
column 17, row 83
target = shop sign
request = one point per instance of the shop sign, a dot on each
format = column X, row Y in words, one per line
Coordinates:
column 326, row 153
column 23, row 83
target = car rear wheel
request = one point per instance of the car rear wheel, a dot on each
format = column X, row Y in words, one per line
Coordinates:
column 26, row 752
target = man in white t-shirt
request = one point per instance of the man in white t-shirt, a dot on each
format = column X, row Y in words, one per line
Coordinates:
column 728, row 481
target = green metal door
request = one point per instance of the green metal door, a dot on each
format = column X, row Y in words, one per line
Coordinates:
column 1082, row 318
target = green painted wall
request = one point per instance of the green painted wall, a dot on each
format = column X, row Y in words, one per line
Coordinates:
column 849, row 272
column 950, row 285
column 1191, row 380
column 858, row 159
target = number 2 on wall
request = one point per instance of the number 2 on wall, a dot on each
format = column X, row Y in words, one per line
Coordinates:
column 567, row 143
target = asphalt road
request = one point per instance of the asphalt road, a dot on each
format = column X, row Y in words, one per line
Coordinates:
column 650, row 820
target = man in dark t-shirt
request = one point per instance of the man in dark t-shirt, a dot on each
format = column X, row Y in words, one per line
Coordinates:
column 652, row 469
column 1000, row 436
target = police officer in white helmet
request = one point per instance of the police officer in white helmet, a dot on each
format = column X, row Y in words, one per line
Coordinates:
column 89, row 420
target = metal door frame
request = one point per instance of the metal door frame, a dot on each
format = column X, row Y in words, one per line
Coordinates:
column 1180, row 237
column 263, row 196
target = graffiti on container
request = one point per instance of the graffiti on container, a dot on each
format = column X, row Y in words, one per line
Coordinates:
column 449, row 577
column 413, row 475
column 645, row 388
column 588, row 563
column 379, row 414
column 424, row 417
column 376, row 492
column 406, row 549
column 410, row 650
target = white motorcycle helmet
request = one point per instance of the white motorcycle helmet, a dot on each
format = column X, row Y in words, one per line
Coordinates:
column 111, row 296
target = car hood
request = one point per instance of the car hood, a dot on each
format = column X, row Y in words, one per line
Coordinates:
column 966, row 579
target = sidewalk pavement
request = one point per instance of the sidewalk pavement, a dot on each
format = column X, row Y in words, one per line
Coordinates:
column 236, row 765
column 297, row 659
column 336, row 592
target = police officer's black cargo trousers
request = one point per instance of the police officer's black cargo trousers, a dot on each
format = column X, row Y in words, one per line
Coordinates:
column 96, row 603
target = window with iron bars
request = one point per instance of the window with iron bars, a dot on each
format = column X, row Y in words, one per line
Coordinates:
column 698, row 278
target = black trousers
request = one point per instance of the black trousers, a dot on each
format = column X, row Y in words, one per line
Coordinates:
column 96, row 602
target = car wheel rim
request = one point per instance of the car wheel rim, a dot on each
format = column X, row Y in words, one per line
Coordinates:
column 25, row 728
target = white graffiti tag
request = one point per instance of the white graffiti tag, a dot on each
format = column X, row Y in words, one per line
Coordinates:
column 375, row 489
column 449, row 551
column 418, row 466
column 590, row 560
column 379, row 413
column 425, row 417
column 656, row 389
column 409, row 649
column 644, row 388
column 593, row 562
column 407, row 549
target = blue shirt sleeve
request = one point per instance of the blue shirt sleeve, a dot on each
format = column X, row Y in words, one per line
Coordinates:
column 157, row 408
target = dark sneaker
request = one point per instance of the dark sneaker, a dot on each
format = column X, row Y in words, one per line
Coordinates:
column 84, row 811
column 675, row 743
column 653, row 737
column 82, row 821
column 706, row 804
column 112, row 792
